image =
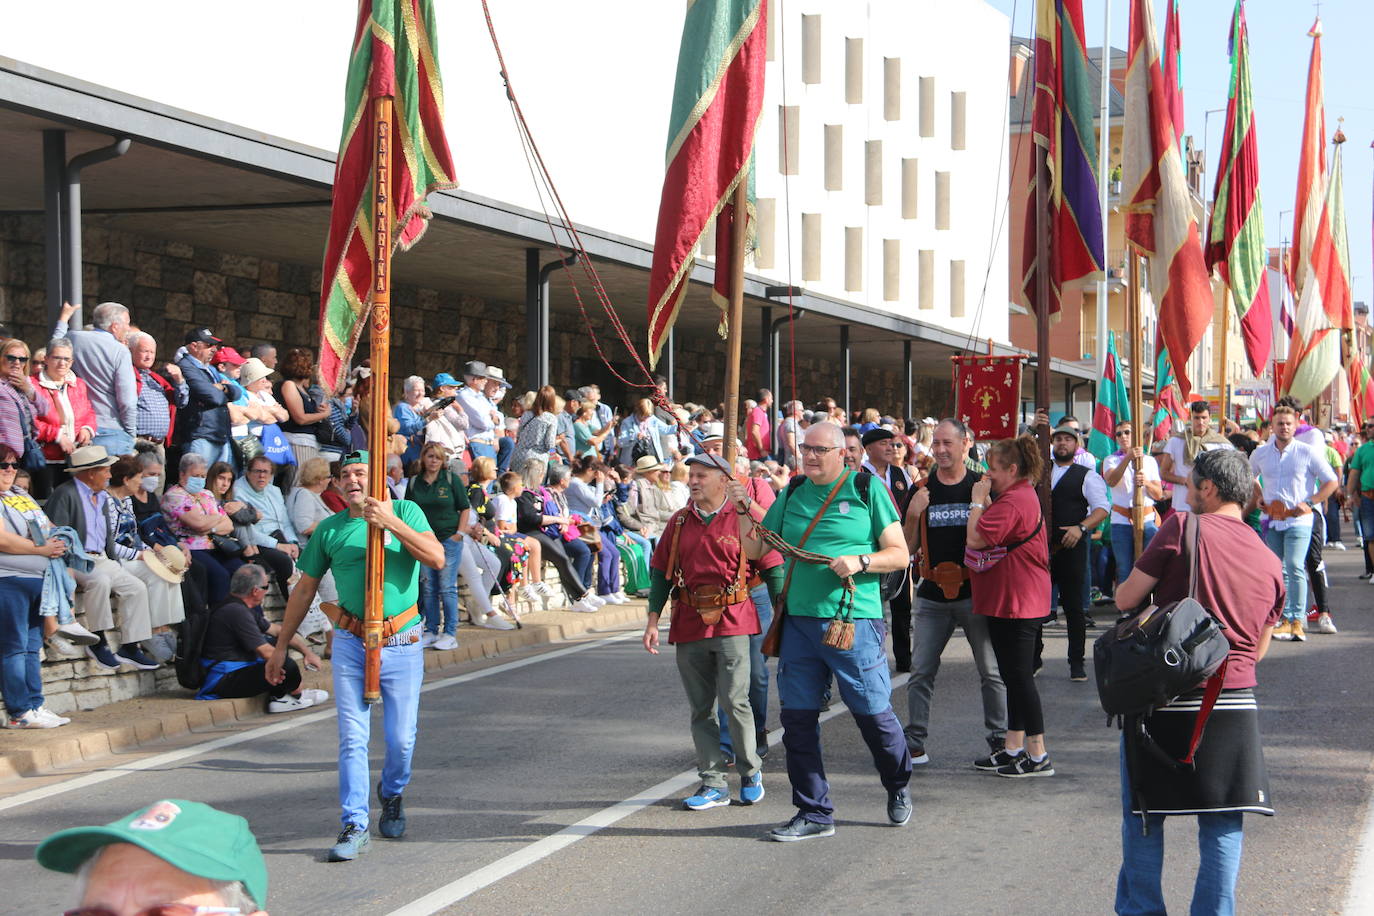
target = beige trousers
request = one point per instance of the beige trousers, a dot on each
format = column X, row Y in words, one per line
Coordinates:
column 106, row 585
column 165, row 606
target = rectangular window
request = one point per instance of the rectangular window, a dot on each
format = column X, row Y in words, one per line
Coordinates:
column 854, row 71
column 927, row 106
column 811, row 49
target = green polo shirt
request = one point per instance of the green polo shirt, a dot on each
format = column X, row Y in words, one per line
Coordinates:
column 339, row 543
column 849, row 527
column 1363, row 461
column 443, row 501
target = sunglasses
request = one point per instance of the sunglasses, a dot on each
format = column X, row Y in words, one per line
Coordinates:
column 16, row 359
column 162, row 909
column 9, row 465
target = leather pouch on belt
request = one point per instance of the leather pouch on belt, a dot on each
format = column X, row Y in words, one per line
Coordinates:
column 709, row 603
column 1278, row 510
column 950, row 577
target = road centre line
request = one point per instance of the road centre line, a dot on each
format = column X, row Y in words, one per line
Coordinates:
column 266, row 731
column 508, row 865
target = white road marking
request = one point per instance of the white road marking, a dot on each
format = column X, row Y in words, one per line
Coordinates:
column 508, row 865
column 173, row 757
column 1359, row 901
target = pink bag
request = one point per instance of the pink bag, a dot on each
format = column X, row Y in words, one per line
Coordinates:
column 981, row 559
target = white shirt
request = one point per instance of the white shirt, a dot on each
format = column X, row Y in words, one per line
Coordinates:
column 1094, row 487
column 503, row 508
column 1124, row 491
column 1085, row 458
column 1174, row 449
column 1290, row 475
column 479, row 409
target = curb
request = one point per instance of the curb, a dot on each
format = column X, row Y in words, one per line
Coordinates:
column 48, row 751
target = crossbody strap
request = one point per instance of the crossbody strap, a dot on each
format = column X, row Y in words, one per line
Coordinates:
column 792, row 563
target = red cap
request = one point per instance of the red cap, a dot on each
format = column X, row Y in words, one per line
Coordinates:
column 228, row 355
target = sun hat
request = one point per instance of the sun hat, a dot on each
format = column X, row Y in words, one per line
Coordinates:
column 168, row 562
column 88, row 458
column 647, row 463
column 254, row 370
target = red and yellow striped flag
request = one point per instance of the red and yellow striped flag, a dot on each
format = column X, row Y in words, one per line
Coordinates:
column 716, row 103
column 394, row 54
column 1311, row 191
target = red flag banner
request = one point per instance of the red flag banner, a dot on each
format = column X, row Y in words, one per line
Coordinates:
column 987, row 394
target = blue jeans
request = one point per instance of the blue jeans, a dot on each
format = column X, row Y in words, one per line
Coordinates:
column 607, row 565
column 1290, row 546
column 483, row 450
column 210, row 451
column 505, row 447
column 116, row 441
column 21, row 636
column 403, row 670
column 758, row 671
column 1138, row 891
column 1123, row 547
column 804, row 670
column 582, row 558
column 439, row 591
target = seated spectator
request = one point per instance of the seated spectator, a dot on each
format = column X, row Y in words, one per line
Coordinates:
column 307, row 509
column 651, row 500
column 103, row 361
column 642, row 435
column 65, row 421
column 396, row 481
column 305, row 411
column 448, row 427
column 173, row 857
column 539, row 515
column 484, row 534
column 204, row 424
column 23, row 564
column 145, row 499
column 527, row 555
column 17, row 396
column 537, row 437
column 272, row 531
column 238, row 643
column 587, row 437
column 161, row 573
column 588, row 494
column 413, row 414
column 193, row 514
column 80, row 504
column 261, row 408
column 333, row 494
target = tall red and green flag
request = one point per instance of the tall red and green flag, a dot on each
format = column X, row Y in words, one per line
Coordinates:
column 1160, row 221
column 394, row 54
column 1169, row 406
column 1062, row 124
column 1235, row 242
column 1113, row 404
column 1311, row 190
column 717, row 98
column 1173, row 67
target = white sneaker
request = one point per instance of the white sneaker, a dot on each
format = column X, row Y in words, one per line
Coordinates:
column 62, row 647
column 289, row 703
column 314, row 695
column 78, row 634
column 29, row 719
column 494, row 621
column 428, row 640
column 616, row 598
column 47, row 714
column 594, row 600
column 531, row 593
column 1326, row 625
column 544, row 589
column 582, row 607
column 445, row 642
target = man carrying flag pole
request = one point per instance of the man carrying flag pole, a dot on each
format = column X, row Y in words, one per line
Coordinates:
column 392, row 154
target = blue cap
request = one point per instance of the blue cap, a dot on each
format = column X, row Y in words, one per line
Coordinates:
column 443, row 378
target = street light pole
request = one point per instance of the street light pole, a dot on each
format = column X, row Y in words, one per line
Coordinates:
column 1206, row 123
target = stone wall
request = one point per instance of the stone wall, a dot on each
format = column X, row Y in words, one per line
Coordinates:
column 171, row 287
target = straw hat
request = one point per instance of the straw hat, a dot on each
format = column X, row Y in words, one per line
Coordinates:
column 168, row 562
column 254, row 370
column 88, row 458
column 646, row 463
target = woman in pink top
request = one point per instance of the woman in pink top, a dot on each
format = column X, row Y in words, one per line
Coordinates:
column 1014, row 594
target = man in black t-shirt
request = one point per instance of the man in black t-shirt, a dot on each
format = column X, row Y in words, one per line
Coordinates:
column 936, row 526
column 238, row 643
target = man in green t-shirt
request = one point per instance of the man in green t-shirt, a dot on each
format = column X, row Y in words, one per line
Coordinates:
column 1359, row 487
column 339, row 543
column 850, row 519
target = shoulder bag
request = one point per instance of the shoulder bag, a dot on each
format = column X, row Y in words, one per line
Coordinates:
column 772, row 640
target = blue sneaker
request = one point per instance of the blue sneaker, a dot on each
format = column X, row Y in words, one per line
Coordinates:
column 353, row 841
column 751, row 790
column 706, row 797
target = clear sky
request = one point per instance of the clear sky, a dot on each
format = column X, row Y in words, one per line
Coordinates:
column 1279, row 49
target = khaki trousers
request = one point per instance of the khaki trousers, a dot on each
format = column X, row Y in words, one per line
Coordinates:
column 165, row 606
column 717, row 671
column 106, row 585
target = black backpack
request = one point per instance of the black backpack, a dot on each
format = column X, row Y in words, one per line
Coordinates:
column 1152, row 657
column 190, row 642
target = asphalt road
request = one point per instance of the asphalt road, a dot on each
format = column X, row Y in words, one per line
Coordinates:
column 550, row 782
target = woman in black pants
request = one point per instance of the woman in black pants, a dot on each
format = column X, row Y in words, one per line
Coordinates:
column 531, row 521
column 1013, row 593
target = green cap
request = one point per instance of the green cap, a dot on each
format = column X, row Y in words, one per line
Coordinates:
column 357, row 456
column 188, row 835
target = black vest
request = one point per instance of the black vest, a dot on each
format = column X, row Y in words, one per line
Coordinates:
column 1068, row 503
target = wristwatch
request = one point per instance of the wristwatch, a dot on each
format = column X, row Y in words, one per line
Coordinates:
column 863, row 562
column 1081, row 530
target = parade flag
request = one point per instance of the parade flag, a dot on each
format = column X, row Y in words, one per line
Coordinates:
column 1113, row 404
column 1169, row 406
column 1062, row 123
column 1361, row 392
column 717, row 98
column 1235, row 241
column 1173, row 69
column 988, row 394
column 1160, row 220
column 1325, row 309
column 394, row 54
column 1311, row 169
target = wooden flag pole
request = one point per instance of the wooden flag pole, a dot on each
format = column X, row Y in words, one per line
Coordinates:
column 1223, row 361
column 1042, row 319
column 734, row 344
column 1133, row 323
column 378, row 415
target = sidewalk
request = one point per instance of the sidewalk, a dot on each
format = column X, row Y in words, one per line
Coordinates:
column 127, row 725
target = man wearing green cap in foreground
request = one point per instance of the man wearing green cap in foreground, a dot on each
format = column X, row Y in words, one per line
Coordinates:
column 339, row 543
column 170, row 853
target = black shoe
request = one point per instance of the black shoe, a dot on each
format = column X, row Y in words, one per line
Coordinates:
column 799, row 828
column 1023, row 766
column 1088, row 622
column 101, row 654
column 393, row 822
column 898, row 807
column 996, row 760
column 1077, row 672
column 903, row 668
column 131, row 654
column 761, row 743
column 1368, row 575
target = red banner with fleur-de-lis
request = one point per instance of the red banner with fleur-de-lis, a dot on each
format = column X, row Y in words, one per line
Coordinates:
column 987, row 394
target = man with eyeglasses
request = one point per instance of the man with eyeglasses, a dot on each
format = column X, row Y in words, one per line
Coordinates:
column 851, row 520
column 171, row 858
column 1123, row 486
column 1360, row 487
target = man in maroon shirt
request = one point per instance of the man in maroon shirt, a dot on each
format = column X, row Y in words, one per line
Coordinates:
column 699, row 564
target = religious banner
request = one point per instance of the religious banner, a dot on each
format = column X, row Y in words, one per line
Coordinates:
column 987, row 394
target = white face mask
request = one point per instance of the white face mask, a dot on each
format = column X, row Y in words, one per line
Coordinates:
column 149, row 484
